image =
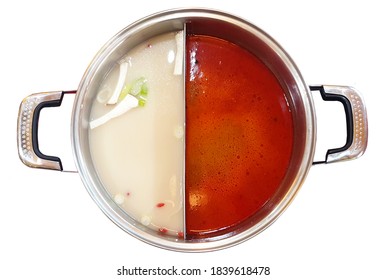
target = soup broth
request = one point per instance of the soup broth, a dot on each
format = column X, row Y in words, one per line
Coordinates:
column 139, row 153
column 239, row 135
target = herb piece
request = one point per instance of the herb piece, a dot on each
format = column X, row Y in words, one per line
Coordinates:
column 129, row 102
column 119, row 199
column 178, row 70
column 121, row 80
column 138, row 88
column 146, row 220
column 104, row 95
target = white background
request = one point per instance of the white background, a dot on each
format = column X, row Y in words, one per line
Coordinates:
column 334, row 229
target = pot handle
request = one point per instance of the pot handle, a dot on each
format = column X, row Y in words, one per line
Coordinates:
column 356, row 117
column 27, row 129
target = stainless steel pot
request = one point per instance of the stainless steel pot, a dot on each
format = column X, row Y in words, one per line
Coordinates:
column 228, row 27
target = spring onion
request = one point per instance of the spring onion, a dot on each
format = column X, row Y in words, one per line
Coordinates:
column 121, row 80
column 131, row 96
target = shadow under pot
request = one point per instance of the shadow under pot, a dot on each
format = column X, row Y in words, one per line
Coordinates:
column 193, row 129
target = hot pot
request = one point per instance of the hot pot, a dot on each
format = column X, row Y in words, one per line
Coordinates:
column 230, row 28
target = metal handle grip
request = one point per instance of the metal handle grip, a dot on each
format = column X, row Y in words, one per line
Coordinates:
column 27, row 129
column 356, row 117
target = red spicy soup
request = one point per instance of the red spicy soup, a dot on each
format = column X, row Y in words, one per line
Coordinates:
column 239, row 135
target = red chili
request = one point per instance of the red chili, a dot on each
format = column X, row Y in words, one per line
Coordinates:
column 159, row 205
column 163, row 230
column 180, row 234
